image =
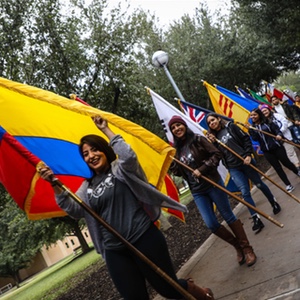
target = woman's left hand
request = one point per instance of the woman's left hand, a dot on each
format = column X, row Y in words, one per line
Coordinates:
column 247, row 160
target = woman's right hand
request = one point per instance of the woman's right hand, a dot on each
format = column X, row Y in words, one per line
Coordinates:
column 100, row 122
column 47, row 174
column 211, row 137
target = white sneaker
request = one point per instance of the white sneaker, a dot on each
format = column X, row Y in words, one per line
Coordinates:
column 289, row 188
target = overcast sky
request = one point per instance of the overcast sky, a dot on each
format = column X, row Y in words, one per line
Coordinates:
column 169, row 10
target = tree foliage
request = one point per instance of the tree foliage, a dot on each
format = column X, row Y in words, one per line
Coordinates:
column 277, row 23
column 21, row 238
column 218, row 51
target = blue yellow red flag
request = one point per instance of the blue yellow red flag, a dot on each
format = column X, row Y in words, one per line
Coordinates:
column 246, row 103
column 50, row 127
column 224, row 105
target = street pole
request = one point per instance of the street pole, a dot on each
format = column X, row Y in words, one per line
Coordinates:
column 160, row 60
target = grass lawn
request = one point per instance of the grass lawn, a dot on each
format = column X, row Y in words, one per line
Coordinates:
column 59, row 278
column 55, row 280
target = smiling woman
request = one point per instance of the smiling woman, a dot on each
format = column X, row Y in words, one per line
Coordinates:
column 201, row 159
column 119, row 192
column 96, row 153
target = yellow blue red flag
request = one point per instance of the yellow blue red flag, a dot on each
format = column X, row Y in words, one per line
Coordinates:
column 224, row 105
column 50, row 126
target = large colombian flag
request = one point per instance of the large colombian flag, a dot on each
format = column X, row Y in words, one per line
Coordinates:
column 49, row 127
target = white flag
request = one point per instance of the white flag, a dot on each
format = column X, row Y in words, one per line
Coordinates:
column 166, row 111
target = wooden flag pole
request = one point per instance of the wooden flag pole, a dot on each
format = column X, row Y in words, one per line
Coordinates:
column 231, row 194
column 144, row 258
column 259, row 171
column 268, row 133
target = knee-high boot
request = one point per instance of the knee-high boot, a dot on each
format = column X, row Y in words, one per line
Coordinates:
column 228, row 237
column 198, row 292
column 238, row 230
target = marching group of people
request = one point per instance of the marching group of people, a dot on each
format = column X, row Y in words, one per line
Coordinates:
column 119, row 192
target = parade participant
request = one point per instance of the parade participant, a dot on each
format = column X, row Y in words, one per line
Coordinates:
column 272, row 147
column 240, row 171
column 283, row 125
column 297, row 101
column 203, row 157
column 291, row 113
column 118, row 191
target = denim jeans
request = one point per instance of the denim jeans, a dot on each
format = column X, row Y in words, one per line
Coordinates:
column 295, row 131
column 204, row 201
column 241, row 176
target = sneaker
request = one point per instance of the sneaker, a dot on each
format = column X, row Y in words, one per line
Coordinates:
column 258, row 225
column 289, row 188
column 276, row 208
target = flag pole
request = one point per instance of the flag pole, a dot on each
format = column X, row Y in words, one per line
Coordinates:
column 267, row 133
column 259, row 171
column 138, row 253
column 160, row 60
column 231, row 194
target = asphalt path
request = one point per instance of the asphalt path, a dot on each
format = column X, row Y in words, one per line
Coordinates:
column 276, row 274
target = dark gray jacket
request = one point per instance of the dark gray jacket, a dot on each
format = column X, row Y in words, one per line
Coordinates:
column 128, row 170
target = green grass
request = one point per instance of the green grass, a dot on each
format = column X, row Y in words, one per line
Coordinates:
column 64, row 275
column 186, row 197
column 56, row 280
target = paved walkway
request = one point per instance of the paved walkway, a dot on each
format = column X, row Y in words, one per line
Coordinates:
column 276, row 274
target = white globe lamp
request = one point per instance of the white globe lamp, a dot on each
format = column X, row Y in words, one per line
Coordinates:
column 160, row 59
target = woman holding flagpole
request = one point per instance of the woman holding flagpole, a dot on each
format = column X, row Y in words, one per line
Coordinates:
column 203, row 157
column 283, row 125
column 238, row 141
column 119, row 192
column 272, row 147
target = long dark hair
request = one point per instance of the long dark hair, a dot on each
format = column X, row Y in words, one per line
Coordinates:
column 262, row 117
column 222, row 122
column 189, row 136
column 271, row 115
column 98, row 143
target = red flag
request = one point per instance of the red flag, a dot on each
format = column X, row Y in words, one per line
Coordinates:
column 173, row 193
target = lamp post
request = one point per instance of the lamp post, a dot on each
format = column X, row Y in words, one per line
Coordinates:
column 160, row 60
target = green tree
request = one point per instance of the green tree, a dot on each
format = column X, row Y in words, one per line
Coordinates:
column 277, row 23
column 290, row 81
column 218, row 51
column 22, row 238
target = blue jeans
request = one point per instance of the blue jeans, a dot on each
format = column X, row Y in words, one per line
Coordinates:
column 204, row 201
column 241, row 176
column 295, row 131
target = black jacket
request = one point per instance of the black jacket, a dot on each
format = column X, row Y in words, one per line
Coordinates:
column 239, row 141
column 267, row 143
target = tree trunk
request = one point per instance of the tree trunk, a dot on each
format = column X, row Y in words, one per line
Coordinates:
column 84, row 245
column 16, row 279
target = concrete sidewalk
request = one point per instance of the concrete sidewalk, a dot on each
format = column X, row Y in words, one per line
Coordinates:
column 276, row 274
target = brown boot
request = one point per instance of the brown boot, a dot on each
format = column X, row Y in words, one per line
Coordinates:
column 198, row 292
column 228, row 237
column 238, row 230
